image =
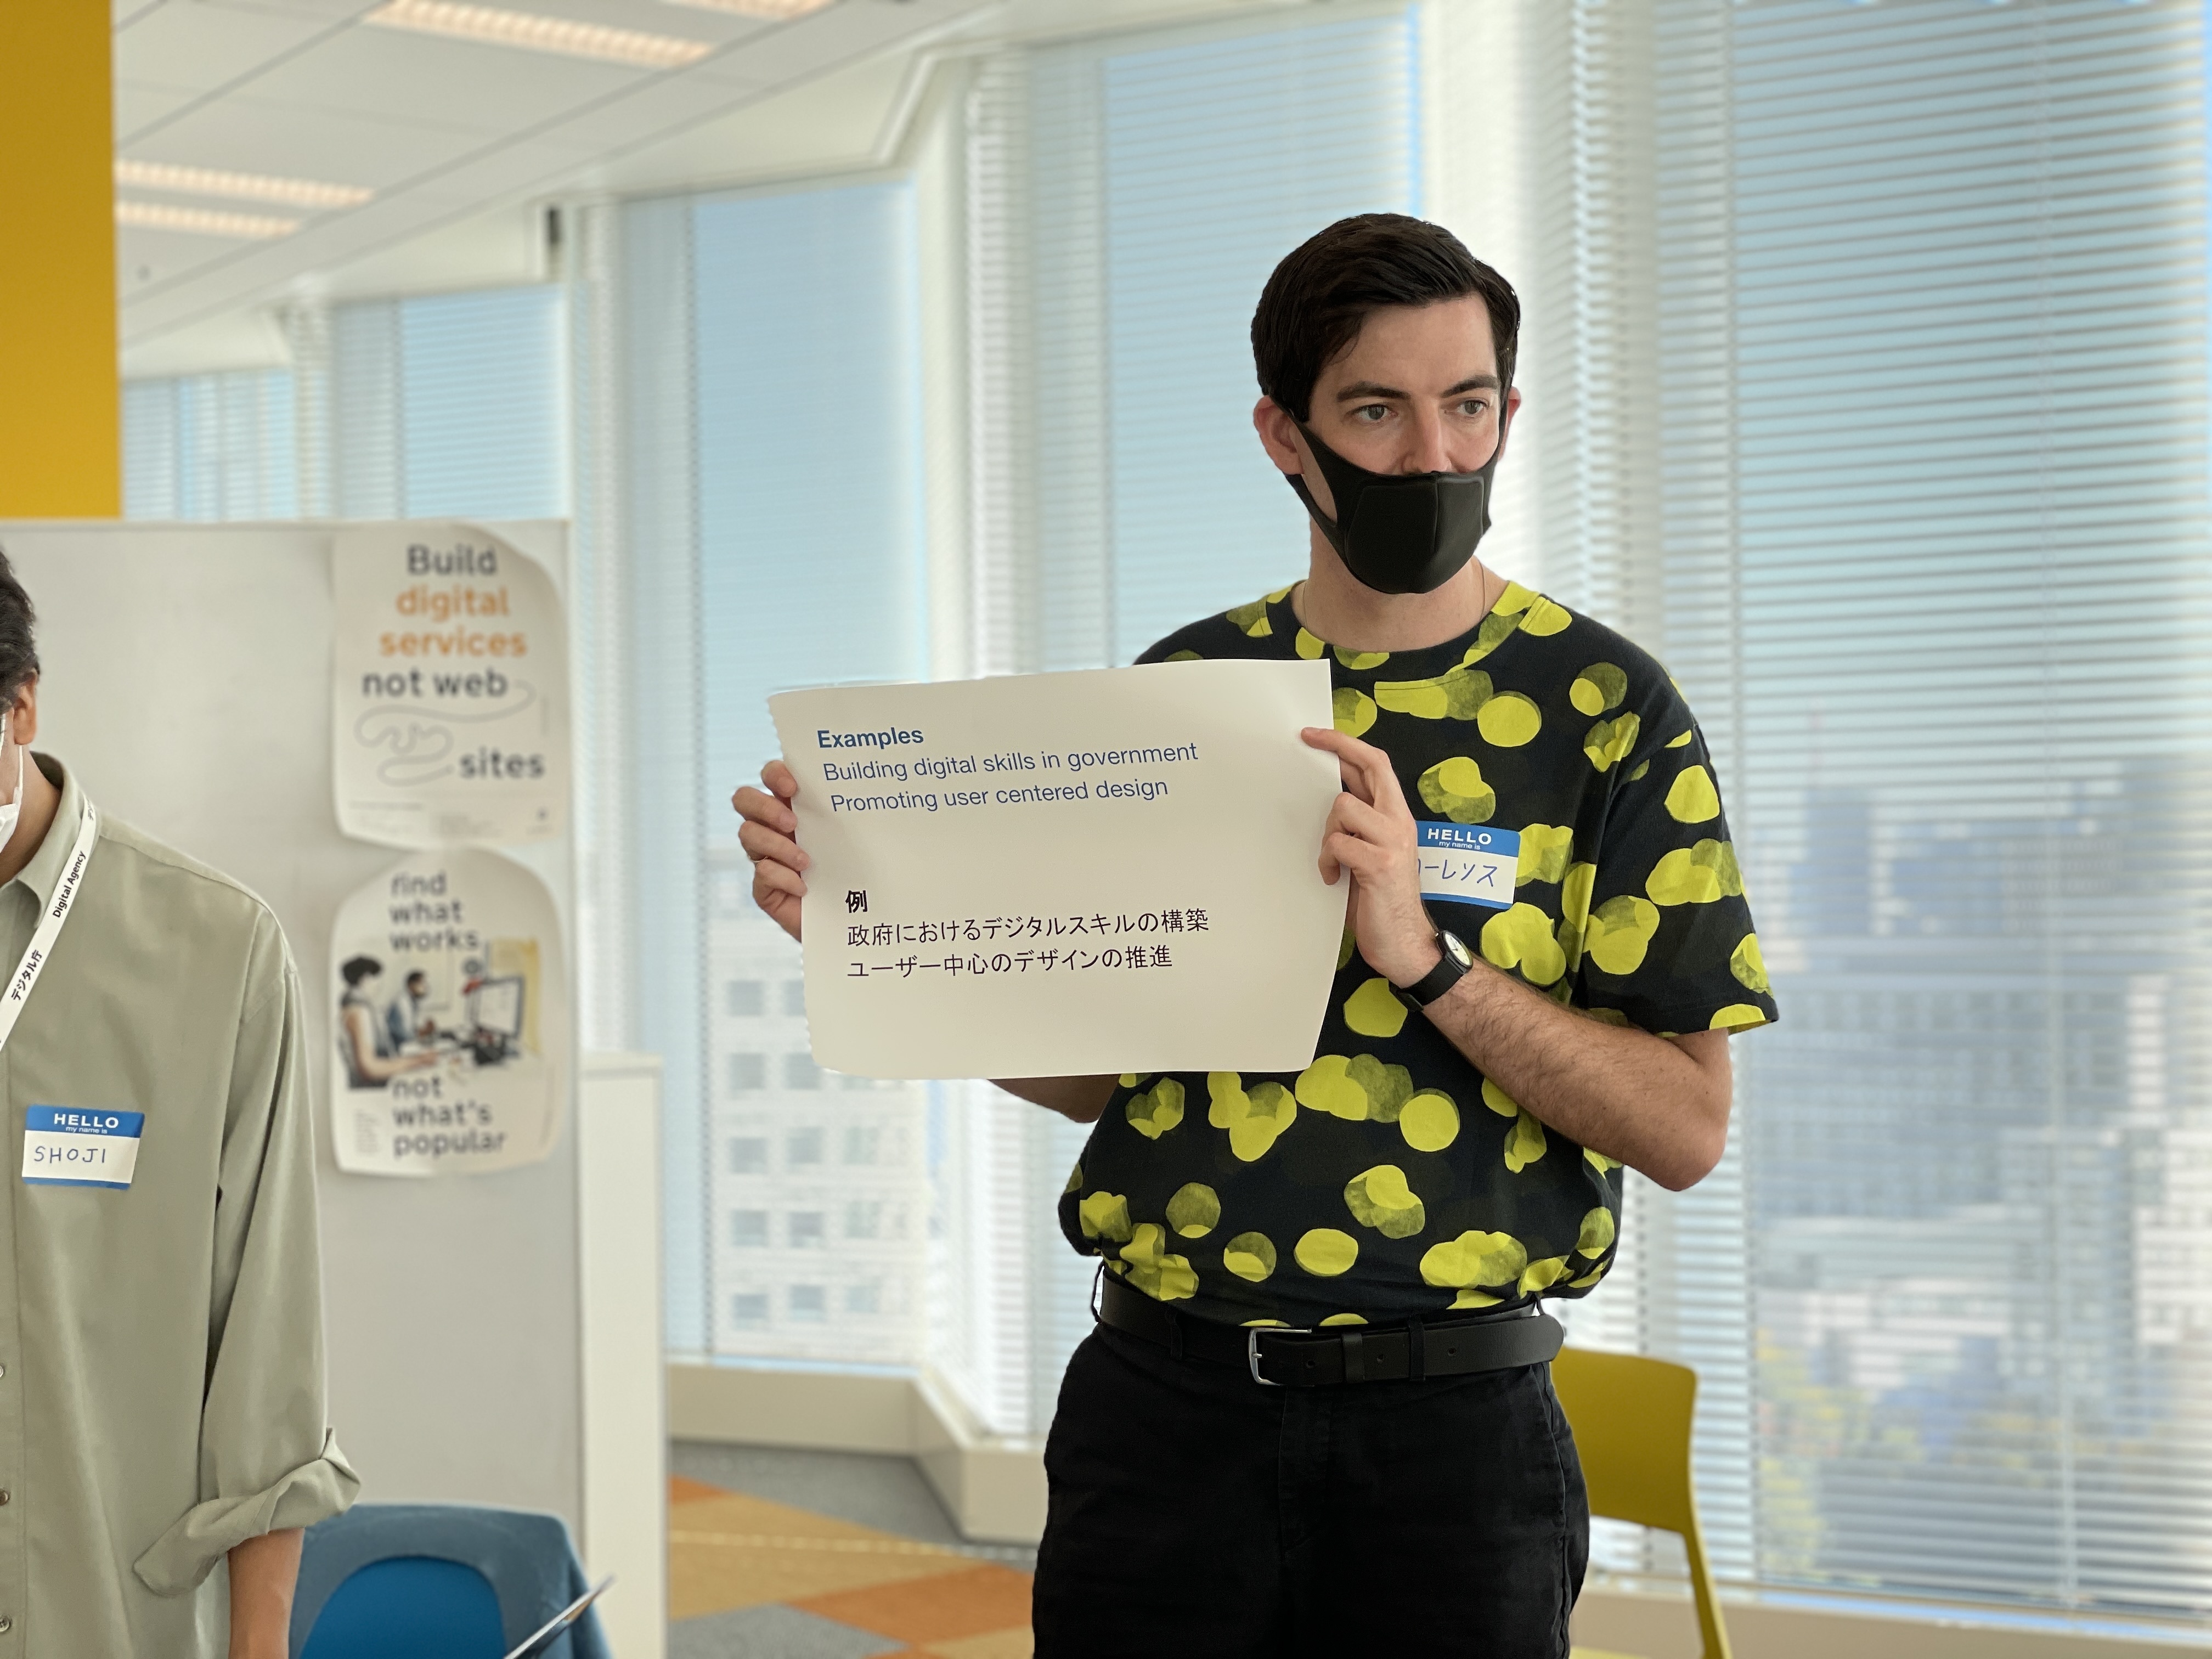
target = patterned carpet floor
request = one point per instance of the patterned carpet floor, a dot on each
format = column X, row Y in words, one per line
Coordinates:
column 754, row 1576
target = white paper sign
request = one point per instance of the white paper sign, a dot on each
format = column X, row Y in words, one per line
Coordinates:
column 450, row 698
column 450, row 1004
column 1066, row 873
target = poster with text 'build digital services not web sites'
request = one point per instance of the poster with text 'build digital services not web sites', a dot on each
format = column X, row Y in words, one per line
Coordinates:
column 450, row 688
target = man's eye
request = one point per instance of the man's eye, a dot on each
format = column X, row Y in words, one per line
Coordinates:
column 1371, row 413
column 1473, row 407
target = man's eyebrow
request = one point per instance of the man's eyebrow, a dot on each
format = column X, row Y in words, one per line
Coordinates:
column 1364, row 389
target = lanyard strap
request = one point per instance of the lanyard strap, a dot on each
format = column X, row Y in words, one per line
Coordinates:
column 50, row 926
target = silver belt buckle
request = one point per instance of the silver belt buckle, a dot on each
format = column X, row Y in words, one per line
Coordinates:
column 1252, row 1347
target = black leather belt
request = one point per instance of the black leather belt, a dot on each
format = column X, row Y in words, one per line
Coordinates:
column 1348, row 1353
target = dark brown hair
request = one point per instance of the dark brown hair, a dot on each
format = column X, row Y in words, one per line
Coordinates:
column 1318, row 298
column 19, row 649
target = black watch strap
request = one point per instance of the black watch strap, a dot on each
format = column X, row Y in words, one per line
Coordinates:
column 1451, row 967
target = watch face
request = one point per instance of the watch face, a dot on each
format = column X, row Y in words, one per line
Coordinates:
column 1456, row 948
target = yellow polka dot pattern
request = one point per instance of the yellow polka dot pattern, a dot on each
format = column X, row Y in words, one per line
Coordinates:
column 1619, row 933
column 1157, row 1110
column 1474, row 1259
column 1253, row 1118
column 1508, row 720
column 1524, row 1142
column 1396, row 1192
column 1454, row 787
column 1358, row 1088
column 1251, row 619
column 1153, row 1271
column 1458, row 694
column 1326, row 1252
column 1522, row 936
column 1379, row 1198
column 1196, row 1210
column 1692, row 798
column 1250, row 1256
column 1105, row 1215
column 1696, row 875
column 1546, row 849
column 1429, row 1122
column 1600, row 687
column 1374, row 1010
column 1610, row 741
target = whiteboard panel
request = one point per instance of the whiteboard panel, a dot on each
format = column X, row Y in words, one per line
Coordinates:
column 187, row 682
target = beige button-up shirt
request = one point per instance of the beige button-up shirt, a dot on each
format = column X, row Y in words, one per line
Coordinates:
column 161, row 1346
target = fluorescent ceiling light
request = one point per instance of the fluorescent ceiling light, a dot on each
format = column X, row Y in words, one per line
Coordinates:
column 244, row 186
column 202, row 221
column 496, row 26
column 757, row 8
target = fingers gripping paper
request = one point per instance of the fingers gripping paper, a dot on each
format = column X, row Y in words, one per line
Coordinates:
column 1054, row 874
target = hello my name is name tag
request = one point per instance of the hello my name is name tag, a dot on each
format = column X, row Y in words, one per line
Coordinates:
column 67, row 1146
column 1469, row 864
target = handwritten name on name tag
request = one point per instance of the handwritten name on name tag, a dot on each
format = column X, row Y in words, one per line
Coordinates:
column 69, row 1146
column 1469, row 864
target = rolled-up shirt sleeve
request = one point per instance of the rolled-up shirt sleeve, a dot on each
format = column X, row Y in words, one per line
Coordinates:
column 268, row 1459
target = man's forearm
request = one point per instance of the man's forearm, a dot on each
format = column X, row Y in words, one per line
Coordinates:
column 1660, row 1107
column 263, row 1573
column 1080, row 1098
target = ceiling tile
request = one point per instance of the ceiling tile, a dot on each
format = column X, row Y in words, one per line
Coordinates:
column 145, row 257
column 830, row 122
column 201, row 43
column 409, row 77
column 252, row 135
column 138, row 102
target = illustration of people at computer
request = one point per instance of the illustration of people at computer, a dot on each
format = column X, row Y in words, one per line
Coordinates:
column 372, row 1057
column 480, row 1024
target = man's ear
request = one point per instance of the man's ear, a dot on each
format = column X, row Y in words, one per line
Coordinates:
column 23, row 715
column 1278, row 436
column 1512, row 408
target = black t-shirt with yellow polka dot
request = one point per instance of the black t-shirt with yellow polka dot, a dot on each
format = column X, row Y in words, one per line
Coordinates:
column 1390, row 1179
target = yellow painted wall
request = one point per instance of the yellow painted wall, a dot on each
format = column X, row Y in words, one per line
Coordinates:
column 61, row 451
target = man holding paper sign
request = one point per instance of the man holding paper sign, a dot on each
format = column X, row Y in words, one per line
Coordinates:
column 1316, row 1413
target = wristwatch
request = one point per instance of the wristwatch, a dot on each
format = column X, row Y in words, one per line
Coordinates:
column 1457, row 959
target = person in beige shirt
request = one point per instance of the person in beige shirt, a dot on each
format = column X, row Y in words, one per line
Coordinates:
column 162, row 1436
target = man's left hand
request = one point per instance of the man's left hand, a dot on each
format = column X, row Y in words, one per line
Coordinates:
column 1371, row 833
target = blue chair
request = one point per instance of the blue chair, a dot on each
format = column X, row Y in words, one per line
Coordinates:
column 437, row 1581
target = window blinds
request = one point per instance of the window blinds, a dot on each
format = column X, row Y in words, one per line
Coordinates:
column 209, row 447
column 1930, row 420
column 448, row 405
column 751, row 369
column 1129, row 196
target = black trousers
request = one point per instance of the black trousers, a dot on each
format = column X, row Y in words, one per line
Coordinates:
column 1194, row 1512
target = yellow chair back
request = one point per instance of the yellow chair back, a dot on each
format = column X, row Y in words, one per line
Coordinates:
column 1632, row 1421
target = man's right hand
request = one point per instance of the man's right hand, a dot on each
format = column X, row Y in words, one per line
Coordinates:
column 768, row 836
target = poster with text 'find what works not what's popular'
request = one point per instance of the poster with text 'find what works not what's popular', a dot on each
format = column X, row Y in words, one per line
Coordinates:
column 449, row 1002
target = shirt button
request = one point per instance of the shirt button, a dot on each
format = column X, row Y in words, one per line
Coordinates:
column 6, row 1497
column 6, row 1624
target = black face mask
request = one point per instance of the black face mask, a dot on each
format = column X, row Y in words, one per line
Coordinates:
column 1401, row 533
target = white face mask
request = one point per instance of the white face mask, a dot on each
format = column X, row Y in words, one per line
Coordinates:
column 13, row 808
